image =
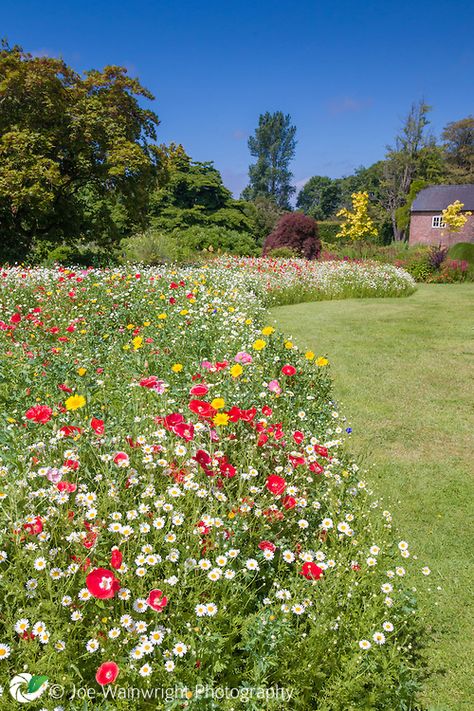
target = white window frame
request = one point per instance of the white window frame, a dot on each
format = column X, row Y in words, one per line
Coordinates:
column 437, row 222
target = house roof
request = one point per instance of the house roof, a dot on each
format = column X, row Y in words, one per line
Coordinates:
column 438, row 197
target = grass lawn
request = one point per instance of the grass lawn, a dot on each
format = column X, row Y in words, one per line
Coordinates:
column 404, row 376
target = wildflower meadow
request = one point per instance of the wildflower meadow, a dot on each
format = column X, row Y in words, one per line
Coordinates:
column 179, row 505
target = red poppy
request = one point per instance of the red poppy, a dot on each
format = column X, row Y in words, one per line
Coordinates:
column 288, row 370
column 322, row 451
column 170, row 421
column 203, row 528
column 267, row 546
column 116, row 558
column 65, row 388
column 226, row 468
column 97, row 426
column 39, row 413
column 199, row 390
column 296, row 459
column 203, row 409
column 35, row 527
column 275, row 484
column 70, row 430
column 149, row 382
column 66, row 486
column 289, row 502
column 121, row 458
column 267, row 411
column 203, row 458
column 156, row 600
column 184, row 430
column 107, row 673
column 102, row 583
column 311, row 571
column 316, row 468
column 298, row 437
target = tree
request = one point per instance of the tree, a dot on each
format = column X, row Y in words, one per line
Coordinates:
column 357, row 224
column 74, row 153
column 264, row 213
column 458, row 137
column 454, row 217
column 190, row 193
column 320, row 197
column 273, row 145
column 296, row 232
column 401, row 163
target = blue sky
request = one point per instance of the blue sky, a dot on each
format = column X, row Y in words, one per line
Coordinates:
column 346, row 71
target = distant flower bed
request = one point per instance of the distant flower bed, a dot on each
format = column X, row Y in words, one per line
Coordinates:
column 178, row 506
column 287, row 281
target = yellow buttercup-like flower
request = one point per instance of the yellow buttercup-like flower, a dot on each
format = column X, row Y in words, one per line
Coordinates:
column 137, row 342
column 309, row 355
column 288, row 345
column 221, row 419
column 322, row 361
column 236, row 370
column 268, row 330
column 218, row 403
column 75, row 402
column 259, row 345
column 81, row 371
column 177, row 368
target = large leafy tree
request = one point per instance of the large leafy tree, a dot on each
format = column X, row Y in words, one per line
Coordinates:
column 458, row 138
column 74, row 154
column 190, row 193
column 320, row 197
column 273, row 146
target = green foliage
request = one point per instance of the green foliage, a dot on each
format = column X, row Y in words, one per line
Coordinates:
column 402, row 214
column 463, row 251
column 283, row 253
column 217, row 240
column 320, row 197
column 194, row 195
column 264, row 213
column 73, row 150
column 328, row 231
column 458, row 137
column 153, row 248
column 273, row 145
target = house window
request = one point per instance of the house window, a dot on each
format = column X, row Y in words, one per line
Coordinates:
column 437, row 222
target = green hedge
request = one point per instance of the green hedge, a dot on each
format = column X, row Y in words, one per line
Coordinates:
column 327, row 231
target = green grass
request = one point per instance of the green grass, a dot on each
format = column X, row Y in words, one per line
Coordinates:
column 403, row 374
column 462, row 251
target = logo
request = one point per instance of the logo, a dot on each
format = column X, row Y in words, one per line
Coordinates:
column 25, row 687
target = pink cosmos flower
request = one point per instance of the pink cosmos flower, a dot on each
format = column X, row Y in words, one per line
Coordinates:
column 243, row 357
column 274, row 387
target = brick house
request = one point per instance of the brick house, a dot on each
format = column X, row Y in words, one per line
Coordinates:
column 426, row 225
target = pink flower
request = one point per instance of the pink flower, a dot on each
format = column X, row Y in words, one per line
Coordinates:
column 274, row 387
column 243, row 357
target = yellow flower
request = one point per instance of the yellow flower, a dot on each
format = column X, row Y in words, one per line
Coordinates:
column 288, row 345
column 259, row 345
column 221, row 419
column 81, row 371
column 184, row 312
column 177, row 368
column 162, row 316
column 146, row 323
column 322, row 361
column 236, row 370
column 218, row 403
column 75, row 402
column 268, row 330
column 130, row 326
column 137, row 342
column 309, row 355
